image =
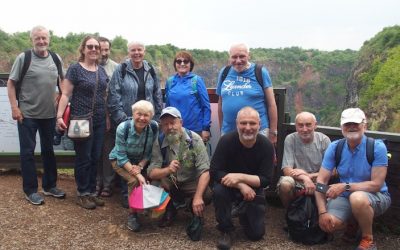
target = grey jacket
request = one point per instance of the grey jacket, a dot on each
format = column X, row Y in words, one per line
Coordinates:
column 123, row 92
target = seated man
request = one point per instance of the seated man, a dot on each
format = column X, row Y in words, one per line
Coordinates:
column 182, row 166
column 361, row 193
column 302, row 158
column 241, row 168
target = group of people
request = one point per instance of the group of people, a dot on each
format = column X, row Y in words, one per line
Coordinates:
column 140, row 140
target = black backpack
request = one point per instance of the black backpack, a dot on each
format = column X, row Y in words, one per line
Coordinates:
column 27, row 63
column 257, row 72
column 302, row 221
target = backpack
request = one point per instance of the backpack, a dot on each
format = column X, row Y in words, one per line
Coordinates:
column 194, row 88
column 369, row 151
column 302, row 221
column 151, row 71
column 164, row 150
column 27, row 63
column 127, row 127
column 257, row 72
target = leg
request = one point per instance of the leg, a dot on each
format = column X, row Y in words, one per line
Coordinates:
column 286, row 187
column 254, row 218
column 46, row 132
column 27, row 141
column 82, row 171
column 98, row 137
column 108, row 174
column 222, row 198
column 362, row 212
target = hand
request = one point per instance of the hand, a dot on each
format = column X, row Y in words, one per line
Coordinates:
column 296, row 172
column 273, row 138
column 174, row 166
column 141, row 179
column 326, row 223
column 309, row 186
column 335, row 190
column 16, row 114
column 198, row 206
column 230, row 180
column 205, row 135
column 61, row 125
column 134, row 170
column 248, row 193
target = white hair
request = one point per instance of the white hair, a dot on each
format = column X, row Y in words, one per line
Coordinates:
column 239, row 45
column 136, row 43
column 38, row 28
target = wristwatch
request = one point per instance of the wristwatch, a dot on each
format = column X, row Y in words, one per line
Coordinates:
column 347, row 187
column 273, row 132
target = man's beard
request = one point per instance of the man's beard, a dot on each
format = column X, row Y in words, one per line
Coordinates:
column 352, row 135
column 172, row 137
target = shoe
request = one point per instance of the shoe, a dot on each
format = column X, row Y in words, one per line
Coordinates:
column 106, row 193
column 125, row 202
column 133, row 222
column 97, row 200
column 225, row 241
column 366, row 243
column 35, row 198
column 55, row 192
column 168, row 218
column 85, row 202
column 351, row 234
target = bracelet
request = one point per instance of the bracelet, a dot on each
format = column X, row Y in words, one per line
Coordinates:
column 323, row 213
column 273, row 132
column 59, row 117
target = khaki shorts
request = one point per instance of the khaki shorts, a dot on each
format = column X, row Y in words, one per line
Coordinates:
column 131, row 180
column 294, row 184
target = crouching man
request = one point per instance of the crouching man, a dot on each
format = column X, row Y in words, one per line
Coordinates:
column 181, row 164
column 361, row 193
column 241, row 168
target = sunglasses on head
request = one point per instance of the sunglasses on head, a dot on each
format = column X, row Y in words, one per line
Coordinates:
column 91, row 46
column 179, row 61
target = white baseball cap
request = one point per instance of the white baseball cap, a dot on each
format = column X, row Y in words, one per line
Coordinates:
column 171, row 111
column 355, row 115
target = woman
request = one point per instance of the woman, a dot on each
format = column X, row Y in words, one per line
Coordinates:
column 132, row 151
column 78, row 87
column 187, row 92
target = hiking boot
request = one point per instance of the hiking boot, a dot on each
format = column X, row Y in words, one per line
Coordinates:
column 55, row 192
column 133, row 222
column 35, row 198
column 168, row 218
column 351, row 234
column 366, row 243
column 225, row 241
column 85, row 202
column 97, row 200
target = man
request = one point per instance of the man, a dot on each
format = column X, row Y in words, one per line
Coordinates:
column 105, row 173
column 241, row 169
column 241, row 88
column 361, row 193
column 132, row 81
column 32, row 101
column 182, row 166
column 302, row 158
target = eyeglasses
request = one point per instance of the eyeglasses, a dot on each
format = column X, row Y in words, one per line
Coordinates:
column 91, row 46
column 179, row 61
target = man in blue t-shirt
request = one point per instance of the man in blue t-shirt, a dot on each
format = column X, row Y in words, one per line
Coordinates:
column 240, row 88
column 361, row 193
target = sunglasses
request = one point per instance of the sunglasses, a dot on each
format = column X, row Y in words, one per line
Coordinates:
column 91, row 46
column 179, row 61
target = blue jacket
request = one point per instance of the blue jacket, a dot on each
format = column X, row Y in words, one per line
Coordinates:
column 191, row 101
column 123, row 93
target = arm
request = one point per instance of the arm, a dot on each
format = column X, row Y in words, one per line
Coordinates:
column 157, row 99
column 220, row 115
column 67, row 88
column 198, row 203
column 12, row 97
column 325, row 220
column 114, row 102
column 272, row 113
column 160, row 173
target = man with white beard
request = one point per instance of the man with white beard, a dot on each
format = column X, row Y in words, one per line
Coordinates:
column 361, row 193
column 302, row 158
column 241, row 168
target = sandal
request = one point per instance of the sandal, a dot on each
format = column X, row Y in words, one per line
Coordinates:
column 106, row 193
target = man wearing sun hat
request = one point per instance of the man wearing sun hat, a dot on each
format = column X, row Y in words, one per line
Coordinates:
column 180, row 162
column 361, row 193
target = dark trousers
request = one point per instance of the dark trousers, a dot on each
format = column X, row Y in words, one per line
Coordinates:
column 105, row 172
column 253, row 219
column 27, row 141
column 87, row 155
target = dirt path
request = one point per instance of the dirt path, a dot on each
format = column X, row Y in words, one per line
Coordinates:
column 60, row 224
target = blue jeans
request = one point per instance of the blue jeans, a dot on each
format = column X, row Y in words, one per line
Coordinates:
column 87, row 155
column 27, row 141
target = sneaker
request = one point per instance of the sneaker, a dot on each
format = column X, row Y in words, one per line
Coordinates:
column 366, row 243
column 225, row 241
column 85, row 202
column 133, row 222
column 35, row 198
column 97, row 200
column 55, row 192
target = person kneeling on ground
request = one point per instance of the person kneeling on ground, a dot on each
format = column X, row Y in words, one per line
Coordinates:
column 361, row 193
column 180, row 162
column 241, row 168
column 132, row 150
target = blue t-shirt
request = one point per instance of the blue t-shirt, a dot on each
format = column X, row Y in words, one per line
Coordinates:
column 354, row 166
column 239, row 90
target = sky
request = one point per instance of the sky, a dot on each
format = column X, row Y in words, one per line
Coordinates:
column 211, row 24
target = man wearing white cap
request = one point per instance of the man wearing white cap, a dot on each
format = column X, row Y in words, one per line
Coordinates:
column 361, row 193
column 182, row 165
